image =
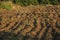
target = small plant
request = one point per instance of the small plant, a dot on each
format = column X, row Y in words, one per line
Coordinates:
column 6, row 5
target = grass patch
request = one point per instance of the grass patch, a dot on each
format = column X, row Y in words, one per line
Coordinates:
column 6, row 5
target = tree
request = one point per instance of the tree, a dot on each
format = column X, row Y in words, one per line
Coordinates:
column 59, row 1
column 26, row 2
column 54, row 2
column 45, row 2
column 34, row 2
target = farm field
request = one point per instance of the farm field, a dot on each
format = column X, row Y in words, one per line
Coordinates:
column 30, row 23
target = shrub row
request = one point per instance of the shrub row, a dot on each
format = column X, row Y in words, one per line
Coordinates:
column 34, row 2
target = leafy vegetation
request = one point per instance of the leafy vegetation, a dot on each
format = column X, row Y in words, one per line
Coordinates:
column 34, row 2
column 6, row 5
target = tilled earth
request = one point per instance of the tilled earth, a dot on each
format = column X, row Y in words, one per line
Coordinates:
column 30, row 23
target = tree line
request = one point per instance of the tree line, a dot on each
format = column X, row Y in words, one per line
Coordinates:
column 35, row 2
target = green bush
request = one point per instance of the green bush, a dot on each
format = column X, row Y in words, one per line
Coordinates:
column 34, row 2
column 54, row 2
column 44, row 1
column 5, row 5
column 26, row 2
